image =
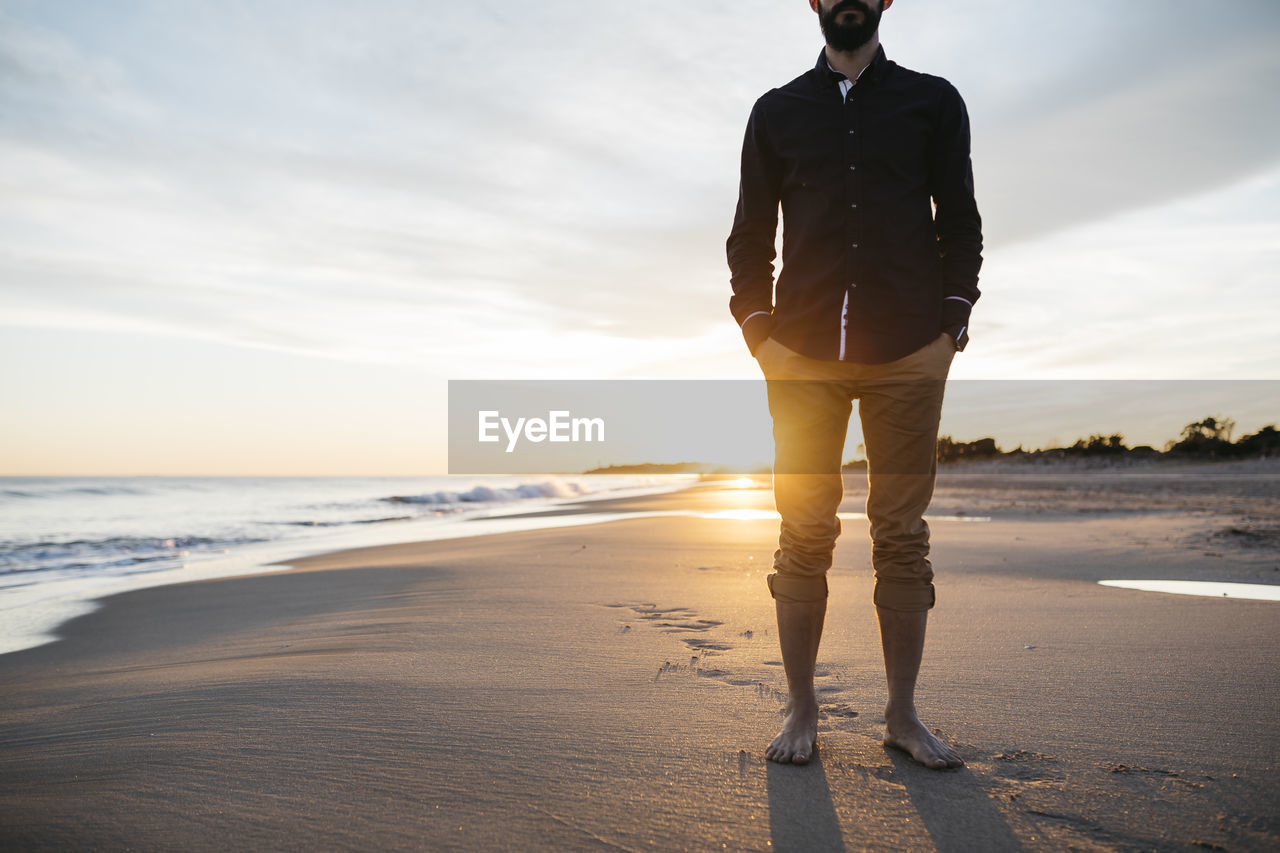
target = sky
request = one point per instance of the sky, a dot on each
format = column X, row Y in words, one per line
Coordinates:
column 260, row 237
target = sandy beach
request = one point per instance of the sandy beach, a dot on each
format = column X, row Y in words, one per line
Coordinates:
column 614, row 686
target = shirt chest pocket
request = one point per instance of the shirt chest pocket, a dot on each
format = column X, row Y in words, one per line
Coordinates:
column 811, row 158
column 813, row 179
column 810, row 198
column 813, row 184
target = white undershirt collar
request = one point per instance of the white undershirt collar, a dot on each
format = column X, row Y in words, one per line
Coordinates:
column 845, row 83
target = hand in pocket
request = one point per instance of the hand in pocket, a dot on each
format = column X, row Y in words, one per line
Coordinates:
column 756, row 330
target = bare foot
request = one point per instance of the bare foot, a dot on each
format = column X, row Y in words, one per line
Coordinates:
column 796, row 742
column 904, row 731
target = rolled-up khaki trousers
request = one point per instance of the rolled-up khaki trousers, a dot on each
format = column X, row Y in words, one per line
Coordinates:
column 899, row 403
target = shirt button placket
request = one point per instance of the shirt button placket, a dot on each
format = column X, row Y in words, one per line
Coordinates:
column 851, row 147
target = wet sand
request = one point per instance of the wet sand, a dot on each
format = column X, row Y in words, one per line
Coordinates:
column 614, row 686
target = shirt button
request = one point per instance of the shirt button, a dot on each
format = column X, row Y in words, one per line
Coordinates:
column 853, row 205
column 851, row 168
column 853, row 131
column 855, row 245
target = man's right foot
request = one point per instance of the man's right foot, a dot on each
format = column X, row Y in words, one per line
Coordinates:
column 796, row 742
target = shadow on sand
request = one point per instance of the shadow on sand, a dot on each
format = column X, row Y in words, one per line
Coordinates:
column 956, row 811
column 802, row 815
column 954, row 808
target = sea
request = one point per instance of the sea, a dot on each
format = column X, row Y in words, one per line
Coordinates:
column 66, row 542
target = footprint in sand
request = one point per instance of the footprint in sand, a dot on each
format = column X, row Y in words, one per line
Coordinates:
column 764, row 691
column 685, row 620
column 837, row 716
column 1149, row 772
column 696, row 625
column 707, row 645
column 1023, row 765
column 690, row 668
column 1023, row 755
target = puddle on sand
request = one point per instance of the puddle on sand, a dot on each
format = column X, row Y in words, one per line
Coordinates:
column 1210, row 589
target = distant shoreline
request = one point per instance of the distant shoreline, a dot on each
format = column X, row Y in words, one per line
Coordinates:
column 1025, row 460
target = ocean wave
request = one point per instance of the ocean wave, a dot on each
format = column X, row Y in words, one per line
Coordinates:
column 17, row 493
column 118, row 542
column 491, row 494
column 345, row 522
column 78, row 526
column 57, row 490
column 113, row 552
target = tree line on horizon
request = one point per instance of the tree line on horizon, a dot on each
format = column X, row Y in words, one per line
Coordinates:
column 1206, row 439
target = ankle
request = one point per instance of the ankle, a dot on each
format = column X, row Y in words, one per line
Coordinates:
column 900, row 710
column 805, row 698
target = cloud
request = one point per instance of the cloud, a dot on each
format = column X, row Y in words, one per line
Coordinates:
column 431, row 181
column 1147, row 142
column 1182, row 291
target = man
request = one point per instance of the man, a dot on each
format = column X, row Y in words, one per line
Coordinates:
column 881, row 249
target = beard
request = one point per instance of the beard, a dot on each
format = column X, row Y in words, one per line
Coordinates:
column 848, row 36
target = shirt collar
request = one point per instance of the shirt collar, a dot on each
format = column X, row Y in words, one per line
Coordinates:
column 874, row 71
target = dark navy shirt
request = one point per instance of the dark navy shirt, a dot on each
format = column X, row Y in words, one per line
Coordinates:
column 882, row 241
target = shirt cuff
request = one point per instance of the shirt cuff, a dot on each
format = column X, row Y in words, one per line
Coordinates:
column 955, row 311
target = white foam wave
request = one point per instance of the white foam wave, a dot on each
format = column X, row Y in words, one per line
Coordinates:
column 482, row 493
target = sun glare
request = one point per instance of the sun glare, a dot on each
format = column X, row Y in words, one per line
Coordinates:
column 741, row 514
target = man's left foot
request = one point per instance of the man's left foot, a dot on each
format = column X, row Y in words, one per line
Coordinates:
column 907, row 733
